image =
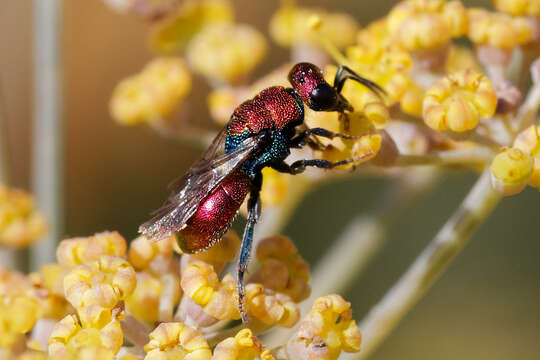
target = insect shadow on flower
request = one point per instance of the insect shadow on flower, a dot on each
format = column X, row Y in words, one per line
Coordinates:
column 260, row 133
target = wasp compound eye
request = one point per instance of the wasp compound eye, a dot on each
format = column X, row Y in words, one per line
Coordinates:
column 323, row 97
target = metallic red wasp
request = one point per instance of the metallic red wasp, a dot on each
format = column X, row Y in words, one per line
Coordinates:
column 260, row 133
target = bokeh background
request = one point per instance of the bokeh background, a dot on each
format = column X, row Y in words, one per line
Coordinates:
column 486, row 306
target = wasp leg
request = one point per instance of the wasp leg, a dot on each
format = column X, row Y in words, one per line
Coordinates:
column 254, row 210
column 345, row 73
column 300, row 166
column 301, row 139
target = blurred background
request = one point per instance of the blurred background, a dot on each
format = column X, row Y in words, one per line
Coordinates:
column 486, row 306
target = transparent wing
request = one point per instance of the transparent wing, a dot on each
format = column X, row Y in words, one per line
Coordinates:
column 203, row 177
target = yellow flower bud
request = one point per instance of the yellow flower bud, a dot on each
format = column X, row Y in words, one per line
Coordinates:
column 20, row 223
column 271, row 308
column 226, row 53
column 529, row 141
column 177, row 341
column 291, row 25
column 461, row 58
column 326, row 331
column 275, row 187
column 143, row 303
column 71, row 338
column 104, row 283
column 497, row 29
column 81, row 250
column 389, row 66
column 18, row 314
column 421, row 24
column 519, row 7
column 152, row 94
column 223, row 252
column 201, row 284
column 155, row 257
column 511, row 169
column 191, row 17
column 458, row 100
column 411, row 102
column 282, row 269
column 244, row 346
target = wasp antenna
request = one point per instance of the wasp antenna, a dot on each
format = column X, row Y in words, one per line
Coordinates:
column 346, row 73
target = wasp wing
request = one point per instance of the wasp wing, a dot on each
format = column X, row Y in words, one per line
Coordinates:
column 192, row 188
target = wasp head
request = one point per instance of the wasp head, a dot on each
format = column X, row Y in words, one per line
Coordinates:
column 308, row 81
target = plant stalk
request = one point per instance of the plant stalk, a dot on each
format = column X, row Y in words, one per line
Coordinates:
column 429, row 265
column 48, row 131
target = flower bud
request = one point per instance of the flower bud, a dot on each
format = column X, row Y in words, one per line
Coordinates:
column 457, row 101
column 511, row 169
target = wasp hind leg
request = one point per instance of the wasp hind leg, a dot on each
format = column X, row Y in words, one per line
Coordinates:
column 254, row 211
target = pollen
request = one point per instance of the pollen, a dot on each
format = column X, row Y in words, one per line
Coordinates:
column 458, row 101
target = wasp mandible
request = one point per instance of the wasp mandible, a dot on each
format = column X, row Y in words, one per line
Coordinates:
column 260, row 133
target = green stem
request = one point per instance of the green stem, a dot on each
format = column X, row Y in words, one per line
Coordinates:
column 429, row 265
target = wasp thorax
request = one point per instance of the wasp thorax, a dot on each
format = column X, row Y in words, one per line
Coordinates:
column 305, row 78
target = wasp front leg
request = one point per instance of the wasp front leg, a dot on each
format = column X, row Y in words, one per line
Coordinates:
column 300, row 166
column 254, row 211
column 301, row 139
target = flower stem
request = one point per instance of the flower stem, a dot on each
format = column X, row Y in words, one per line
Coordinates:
column 429, row 265
column 475, row 156
column 47, row 137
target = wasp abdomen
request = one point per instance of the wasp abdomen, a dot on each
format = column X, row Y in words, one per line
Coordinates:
column 215, row 214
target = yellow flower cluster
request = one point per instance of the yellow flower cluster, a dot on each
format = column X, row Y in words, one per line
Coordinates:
column 225, row 53
column 519, row 7
column 175, row 32
column 73, row 335
column 20, row 223
column 497, row 29
column 422, row 24
column 158, row 284
column 98, row 274
column 153, row 94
